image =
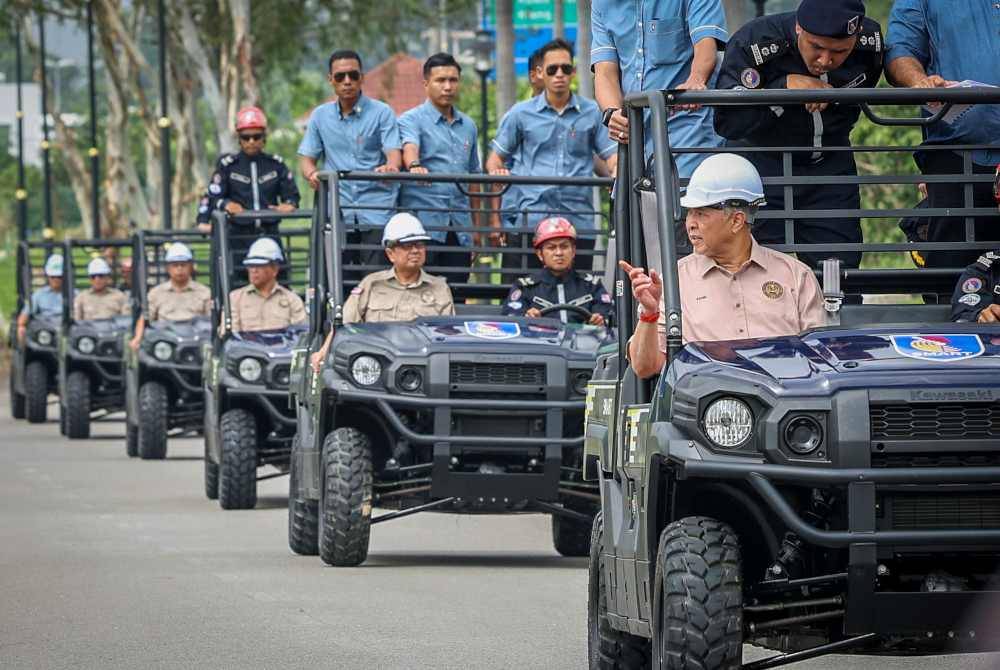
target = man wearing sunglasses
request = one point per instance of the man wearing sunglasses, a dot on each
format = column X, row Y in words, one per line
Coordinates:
column 249, row 179
column 101, row 300
column 556, row 133
column 354, row 132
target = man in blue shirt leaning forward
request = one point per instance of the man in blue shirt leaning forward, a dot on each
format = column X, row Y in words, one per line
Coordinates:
column 46, row 301
column 354, row 132
column 438, row 138
column 556, row 133
column 935, row 44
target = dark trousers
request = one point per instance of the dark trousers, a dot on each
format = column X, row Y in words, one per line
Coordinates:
column 460, row 260
column 952, row 229
column 372, row 259
column 840, row 230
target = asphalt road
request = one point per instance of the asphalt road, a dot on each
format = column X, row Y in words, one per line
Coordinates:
column 107, row 562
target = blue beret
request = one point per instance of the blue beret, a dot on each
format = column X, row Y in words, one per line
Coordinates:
column 831, row 18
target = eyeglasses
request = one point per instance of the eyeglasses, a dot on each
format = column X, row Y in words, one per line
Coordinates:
column 408, row 246
column 355, row 75
column 566, row 68
column 252, row 138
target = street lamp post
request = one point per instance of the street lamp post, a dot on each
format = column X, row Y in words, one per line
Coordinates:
column 484, row 66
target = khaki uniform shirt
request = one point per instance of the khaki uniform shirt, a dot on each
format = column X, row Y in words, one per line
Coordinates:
column 166, row 302
column 381, row 297
column 89, row 305
column 772, row 295
column 252, row 311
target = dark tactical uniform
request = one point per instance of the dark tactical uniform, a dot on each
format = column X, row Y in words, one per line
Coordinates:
column 543, row 289
column 255, row 182
column 761, row 55
column 977, row 288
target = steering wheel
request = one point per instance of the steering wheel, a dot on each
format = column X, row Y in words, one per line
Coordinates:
column 576, row 309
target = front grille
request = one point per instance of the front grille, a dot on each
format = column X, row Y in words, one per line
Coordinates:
column 944, row 459
column 936, row 421
column 952, row 510
column 489, row 374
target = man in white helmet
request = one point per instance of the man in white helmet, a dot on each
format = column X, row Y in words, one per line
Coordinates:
column 101, row 300
column 731, row 288
column 46, row 301
column 263, row 304
column 179, row 298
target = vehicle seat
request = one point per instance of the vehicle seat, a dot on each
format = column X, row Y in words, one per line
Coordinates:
column 461, row 309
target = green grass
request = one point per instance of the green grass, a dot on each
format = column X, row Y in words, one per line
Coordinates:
column 8, row 284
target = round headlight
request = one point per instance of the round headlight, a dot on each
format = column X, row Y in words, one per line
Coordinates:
column 728, row 422
column 163, row 351
column 250, row 369
column 366, row 370
column 86, row 345
column 410, row 379
column 803, row 435
column 580, row 380
column 44, row 337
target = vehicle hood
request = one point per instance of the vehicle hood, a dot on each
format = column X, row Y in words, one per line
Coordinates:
column 888, row 356
column 198, row 328
column 275, row 342
column 102, row 327
column 502, row 334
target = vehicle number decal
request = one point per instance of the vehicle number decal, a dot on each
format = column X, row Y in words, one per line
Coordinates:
column 492, row 330
column 938, row 347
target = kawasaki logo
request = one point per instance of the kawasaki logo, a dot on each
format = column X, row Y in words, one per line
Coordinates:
column 953, row 396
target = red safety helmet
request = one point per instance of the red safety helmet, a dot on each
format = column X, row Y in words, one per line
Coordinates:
column 250, row 117
column 553, row 228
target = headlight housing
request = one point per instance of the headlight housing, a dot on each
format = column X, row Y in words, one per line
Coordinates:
column 410, row 379
column 250, row 369
column 580, row 380
column 728, row 422
column 86, row 345
column 44, row 338
column 803, row 435
column 366, row 370
column 163, row 351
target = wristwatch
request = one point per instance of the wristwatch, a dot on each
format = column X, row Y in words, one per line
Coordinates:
column 608, row 113
column 413, row 164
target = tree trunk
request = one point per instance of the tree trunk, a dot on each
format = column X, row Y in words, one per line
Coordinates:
column 242, row 52
column 583, row 42
column 559, row 19
column 506, row 80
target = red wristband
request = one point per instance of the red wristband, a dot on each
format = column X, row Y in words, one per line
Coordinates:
column 652, row 317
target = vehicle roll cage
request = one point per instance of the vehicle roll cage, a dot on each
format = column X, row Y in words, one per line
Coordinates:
column 28, row 268
column 72, row 281
column 152, row 271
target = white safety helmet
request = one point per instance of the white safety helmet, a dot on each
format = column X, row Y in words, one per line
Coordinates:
column 723, row 179
column 403, row 228
column 98, row 266
column 178, row 252
column 262, row 252
column 54, row 266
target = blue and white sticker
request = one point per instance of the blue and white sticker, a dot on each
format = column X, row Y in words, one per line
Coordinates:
column 938, row 347
column 515, row 304
column 971, row 299
column 972, row 285
column 750, row 78
column 492, row 330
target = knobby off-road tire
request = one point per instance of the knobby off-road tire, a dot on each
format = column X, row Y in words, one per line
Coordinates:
column 608, row 648
column 699, row 593
column 154, row 406
column 77, row 405
column 36, row 392
column 211, row 476
column 238, row 469
column 569, row 536
column 17, row 400
column 303, row 518
column 346, row 514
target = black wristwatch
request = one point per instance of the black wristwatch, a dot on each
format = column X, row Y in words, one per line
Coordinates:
column 413, row 164
column 608, row 113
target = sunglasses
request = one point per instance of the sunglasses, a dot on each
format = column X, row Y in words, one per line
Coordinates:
column 355, row 75
column 566, row 68
column 252, row 138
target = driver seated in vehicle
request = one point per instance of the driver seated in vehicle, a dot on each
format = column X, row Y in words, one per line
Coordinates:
column 180, row 298
column 101, row 300
column 731, row 288
column 557, row 283
column 264, row 304
column 977, row 295
column 404, row 291
column 46, row 301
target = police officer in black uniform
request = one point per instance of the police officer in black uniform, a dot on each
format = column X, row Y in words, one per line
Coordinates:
column 977, row 294
column 557, row 283
column 824, row 44
column 249, row 180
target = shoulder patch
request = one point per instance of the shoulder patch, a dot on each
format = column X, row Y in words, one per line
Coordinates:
column 870, row 41
column 357, row 290
column 276, row 158
column 591, row 278
column 526, row 281
column 766, row 50
column 227, row 159
column 986, row 260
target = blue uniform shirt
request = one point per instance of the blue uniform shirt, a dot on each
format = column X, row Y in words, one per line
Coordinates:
column 553, row 144
column 958, row 40
column 444, row 147
column 653, row 43
column 356, row 142
column 45, row 301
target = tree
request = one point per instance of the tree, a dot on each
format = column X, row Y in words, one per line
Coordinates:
column 506, row 79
